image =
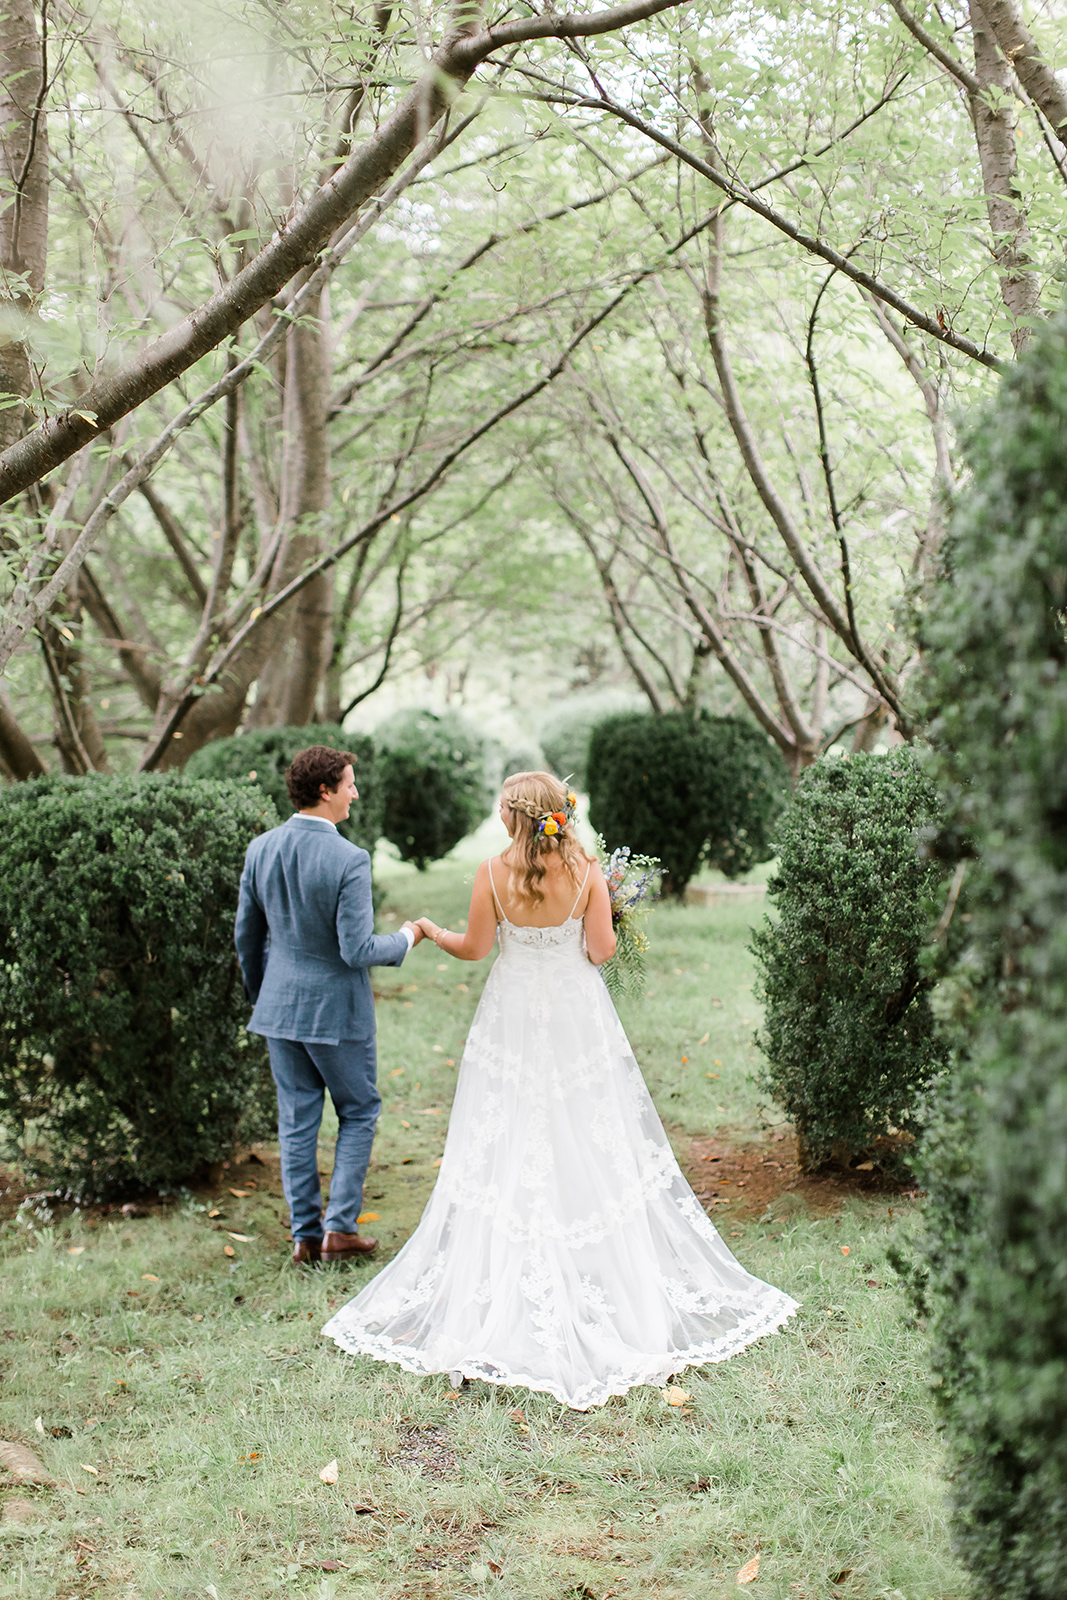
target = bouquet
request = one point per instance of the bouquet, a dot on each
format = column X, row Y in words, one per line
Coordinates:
column 633, row 883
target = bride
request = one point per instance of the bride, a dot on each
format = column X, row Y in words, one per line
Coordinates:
column 562, row 1249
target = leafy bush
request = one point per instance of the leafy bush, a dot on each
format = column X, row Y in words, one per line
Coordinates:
column 434, row 784
column 565, row 736
column 996, row 683
column 263, row 755
column 849, row 1037
column 687, row 788
column 123, row 1056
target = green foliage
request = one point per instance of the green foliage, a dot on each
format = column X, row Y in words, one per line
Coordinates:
column 262, row 756
column 435, row 787
column 123, row 1056
column 633, row 885
column 849, row 1036
column 686, row 788
column 996, row 684
column 565, row 736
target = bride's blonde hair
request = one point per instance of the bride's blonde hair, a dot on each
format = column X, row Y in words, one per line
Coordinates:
column 530, row 797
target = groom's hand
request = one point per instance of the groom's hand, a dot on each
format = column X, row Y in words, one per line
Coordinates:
column 416, row 932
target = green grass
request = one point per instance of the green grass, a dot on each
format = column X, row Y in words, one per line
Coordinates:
column 200, row 1389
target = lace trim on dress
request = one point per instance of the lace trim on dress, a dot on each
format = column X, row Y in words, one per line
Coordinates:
column 775, row 1310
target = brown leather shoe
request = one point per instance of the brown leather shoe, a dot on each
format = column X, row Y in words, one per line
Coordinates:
column 346, row 1246
column 306, row 1252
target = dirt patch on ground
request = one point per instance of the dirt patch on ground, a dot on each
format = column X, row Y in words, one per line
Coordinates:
column 256, row 1170
column 732, row 1179
column 745, row 1180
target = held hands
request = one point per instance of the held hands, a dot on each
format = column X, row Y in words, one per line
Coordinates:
column 417, row 930
column 427, row 928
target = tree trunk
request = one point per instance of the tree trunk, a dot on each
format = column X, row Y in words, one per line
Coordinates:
column 16, row 752
column 1034, row 72
column 289, row 685
column 304, row 505
column 994, row 131
column 24, row 217
column 78, row 740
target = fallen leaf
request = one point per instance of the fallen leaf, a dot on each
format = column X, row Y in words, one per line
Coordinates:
column 437, row 1163
column 75, row 1249
column 450, row 1062
column 330, row 1472
column 517, row 1415
column 149, row 1277
column 404, row 1124
column 844, row 1249
column 865, row 1166
column 199, row 1317
column 495, row 1568
column 39, row 1425
column 711, row 1075
column 87, row 1468
column 716, row 1063
column 749, row 1571
column 462, row 987
column 397, row 1072
column 675, row 1396
column 705, row 1039
column 215, row 1213
column 453, row 1394
column 21, row 1462
column 685, row 1061
column 228, row 1250
column 368, row 1216
column 241, row 1194
column 245, row 1238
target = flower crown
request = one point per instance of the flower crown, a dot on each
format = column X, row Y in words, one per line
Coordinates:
column 553, row 822
column 549, row 823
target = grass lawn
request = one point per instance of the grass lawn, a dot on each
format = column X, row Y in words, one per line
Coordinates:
column 189, row 1403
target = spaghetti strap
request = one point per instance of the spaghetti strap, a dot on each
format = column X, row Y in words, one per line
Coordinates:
column 496, row 897
column 581, row 891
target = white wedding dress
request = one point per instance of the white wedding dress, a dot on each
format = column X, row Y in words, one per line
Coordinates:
column 561, row 1250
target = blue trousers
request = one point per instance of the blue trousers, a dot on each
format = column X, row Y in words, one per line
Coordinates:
column 302, row 1074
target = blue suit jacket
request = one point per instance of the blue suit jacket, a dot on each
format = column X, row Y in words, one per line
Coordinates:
column 305, row 935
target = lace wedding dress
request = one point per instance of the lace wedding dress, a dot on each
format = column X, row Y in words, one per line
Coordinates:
column 562, row 1249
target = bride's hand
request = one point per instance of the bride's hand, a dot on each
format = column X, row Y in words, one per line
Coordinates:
column 430, row 929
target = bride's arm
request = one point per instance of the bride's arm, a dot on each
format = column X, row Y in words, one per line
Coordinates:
column 476, row 943
column 599, row 933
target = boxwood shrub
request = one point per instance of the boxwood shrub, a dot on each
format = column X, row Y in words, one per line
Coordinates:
column 690, row 788
column 434, row 780
column 849, row 1039
column 262, row 755
column 124, row 1063
column 995, row 648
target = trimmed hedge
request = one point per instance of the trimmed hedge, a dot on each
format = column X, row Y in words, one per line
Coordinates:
column 689, row 788
column 434, row 783
column 996, row 680
column 124, row 1062
column 849, row 1039
column 263, row 755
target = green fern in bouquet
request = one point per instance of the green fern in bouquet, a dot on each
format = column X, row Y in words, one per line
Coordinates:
column 633, row 883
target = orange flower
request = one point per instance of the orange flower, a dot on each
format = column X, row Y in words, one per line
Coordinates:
column 560, row 817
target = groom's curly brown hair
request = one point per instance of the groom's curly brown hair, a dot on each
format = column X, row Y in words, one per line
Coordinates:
column 313, row 768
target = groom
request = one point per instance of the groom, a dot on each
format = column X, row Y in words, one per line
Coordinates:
column 305, row 938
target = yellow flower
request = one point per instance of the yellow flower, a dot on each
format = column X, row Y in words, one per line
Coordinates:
column 551, row 827
column 572, row 798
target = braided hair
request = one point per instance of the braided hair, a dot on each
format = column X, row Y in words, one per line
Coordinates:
column 533, row 798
